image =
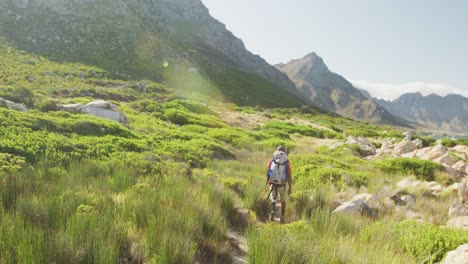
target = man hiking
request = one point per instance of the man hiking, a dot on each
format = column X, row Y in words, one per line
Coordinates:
column 278, row 174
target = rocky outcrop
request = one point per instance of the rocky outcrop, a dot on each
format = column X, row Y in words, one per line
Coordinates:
column 459, row 208
column 442, row 113
column 330, row 91
column 99, row 108
column 456, row 167
column 365, row 147
column 13, row 105
column 364, row 204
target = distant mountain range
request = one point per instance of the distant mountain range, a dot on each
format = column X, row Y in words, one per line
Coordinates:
column 448, row 113
column 328, row 90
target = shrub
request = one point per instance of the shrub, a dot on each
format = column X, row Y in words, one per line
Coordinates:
column 423, row 169
column 428, row 242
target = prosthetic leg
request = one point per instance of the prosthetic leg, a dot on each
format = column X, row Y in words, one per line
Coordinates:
column 283, row 210
column 273, row 202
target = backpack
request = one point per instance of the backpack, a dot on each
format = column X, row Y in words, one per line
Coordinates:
column 277, row 172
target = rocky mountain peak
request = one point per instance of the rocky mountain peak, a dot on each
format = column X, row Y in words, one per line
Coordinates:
column 331, row 91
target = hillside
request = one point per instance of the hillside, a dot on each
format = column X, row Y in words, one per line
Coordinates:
column 328, row 90
column 180, row 181
column 175, row 41
column 449, row 113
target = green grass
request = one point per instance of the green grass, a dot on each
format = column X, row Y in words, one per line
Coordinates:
column 164, row 187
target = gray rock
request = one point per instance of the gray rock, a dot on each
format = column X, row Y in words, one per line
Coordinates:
column 459, row 222
column 458, row 256
column 458, row 209
column 356, row 207
column 419, row 143
column 105, row 113
column 409, row 199
column 405, row 146
column 13, row 105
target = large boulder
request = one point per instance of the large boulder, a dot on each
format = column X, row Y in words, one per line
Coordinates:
column 105, row 113
column 405, row 146
column 460, row 222
column 99, row 108
column 458, row 256
column 458, row 209
column 463, row 191
column 356, row 207
column 72, row 108
column 368, row 199
column 446, row 159
column 436, row 152
column 365, row 147
column 13, row 105
column 461, row 167
column 418, row 143
column 102, row 105
column 351, row 207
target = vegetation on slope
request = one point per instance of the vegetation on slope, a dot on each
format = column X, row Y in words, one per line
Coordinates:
column 165, row 188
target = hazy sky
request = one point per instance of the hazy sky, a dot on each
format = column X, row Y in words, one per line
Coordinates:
column 388, row 47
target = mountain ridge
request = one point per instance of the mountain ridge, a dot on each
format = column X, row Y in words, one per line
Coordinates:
column 329, row 90
column 445, row 113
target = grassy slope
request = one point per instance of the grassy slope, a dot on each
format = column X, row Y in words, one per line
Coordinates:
column 75, row 189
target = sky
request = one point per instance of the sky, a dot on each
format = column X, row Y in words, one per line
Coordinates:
column 388, row 47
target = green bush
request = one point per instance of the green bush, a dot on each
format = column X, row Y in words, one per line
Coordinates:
column 423, row 169
column 449, row 143
column 428, row 242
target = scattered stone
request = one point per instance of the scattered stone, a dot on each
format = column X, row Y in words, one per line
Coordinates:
column 458, row 256
column 409, row 199
column 408, row 136
column 365, row 147
column 31, row 78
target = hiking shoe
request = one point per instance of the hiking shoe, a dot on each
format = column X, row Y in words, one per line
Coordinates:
column 282, row 220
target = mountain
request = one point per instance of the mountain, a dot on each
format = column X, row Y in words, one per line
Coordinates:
column 449, row 113
column 176, row 41
column 328, row 90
